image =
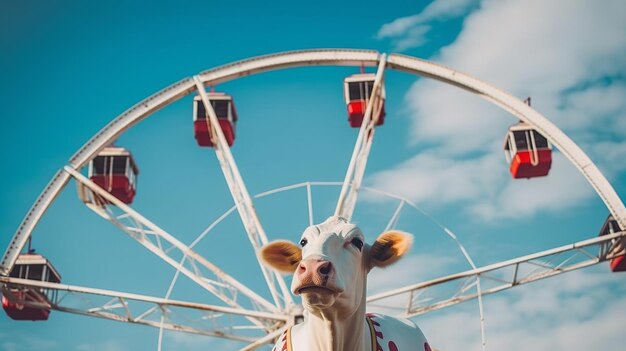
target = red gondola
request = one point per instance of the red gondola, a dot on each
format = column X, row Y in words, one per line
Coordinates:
column 18, row 302
column 357, row 90
column 115, row 171
column 528, row 152
column 618, row 264
column 224, row 108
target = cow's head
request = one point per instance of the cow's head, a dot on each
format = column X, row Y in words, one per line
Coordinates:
column 331, row 264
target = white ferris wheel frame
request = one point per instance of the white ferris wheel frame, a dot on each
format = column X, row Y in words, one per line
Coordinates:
column 282, row 301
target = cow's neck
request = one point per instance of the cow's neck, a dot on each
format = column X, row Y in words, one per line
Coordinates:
column 335, row 330
column 329, row 331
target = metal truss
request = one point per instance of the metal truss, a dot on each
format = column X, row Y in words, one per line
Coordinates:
column 243, row 202
column 450, row 290
column 167, row 247
column 356, row 168
column 210, row 320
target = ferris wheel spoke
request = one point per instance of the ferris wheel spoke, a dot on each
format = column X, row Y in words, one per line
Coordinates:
column 152, row 237
column 356, row 168
column 217, row 321
column 393, row 221
column 450, row 290
column 270, row 337
column 256, row 234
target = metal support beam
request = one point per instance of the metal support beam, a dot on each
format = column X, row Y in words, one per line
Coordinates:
column 146, row 310
column 356, row 168
column 243, row 201
column 450, row 290
column 141, row 229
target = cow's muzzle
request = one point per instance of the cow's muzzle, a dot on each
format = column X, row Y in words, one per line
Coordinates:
column 315, row 274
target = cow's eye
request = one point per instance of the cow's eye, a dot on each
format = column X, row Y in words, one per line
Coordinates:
column 358, row 243
column 303, row 242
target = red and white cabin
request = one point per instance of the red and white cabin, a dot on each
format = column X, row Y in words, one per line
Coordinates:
column 618, row 264
column 527, row 151
column 18, row 302
column 224, row 108
column 357, row 90
column 115, row 171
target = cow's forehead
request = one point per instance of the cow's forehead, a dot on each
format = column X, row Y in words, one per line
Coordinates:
column 333, row 225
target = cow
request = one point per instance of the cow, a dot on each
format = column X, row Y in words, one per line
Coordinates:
column 330, row 274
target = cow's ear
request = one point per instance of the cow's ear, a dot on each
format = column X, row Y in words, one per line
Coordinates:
column 282, row 255
column 389, row 248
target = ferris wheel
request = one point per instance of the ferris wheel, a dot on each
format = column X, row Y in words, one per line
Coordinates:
column 106, row 177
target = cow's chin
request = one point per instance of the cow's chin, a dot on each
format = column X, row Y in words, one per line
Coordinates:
column 318, row 298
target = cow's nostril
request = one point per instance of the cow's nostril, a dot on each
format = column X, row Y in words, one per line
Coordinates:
column 301, row 268
column 325, row 268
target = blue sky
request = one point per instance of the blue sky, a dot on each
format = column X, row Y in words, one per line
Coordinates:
column 69, row 67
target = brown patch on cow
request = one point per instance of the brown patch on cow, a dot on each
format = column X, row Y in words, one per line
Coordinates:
column 382, row 251
column 281, row 255
column 389, row 248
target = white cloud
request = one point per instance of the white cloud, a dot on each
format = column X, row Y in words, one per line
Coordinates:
column 570, row 56
column 542, row 49
column 538, row 45
column 398, row 26
column 562, row 189
column 596, row 109
column 484, row 186
column 613, row 155
column 433, row 177
column 408, row 32
column 569, row 312
column 415, row 37
column 456, row 119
